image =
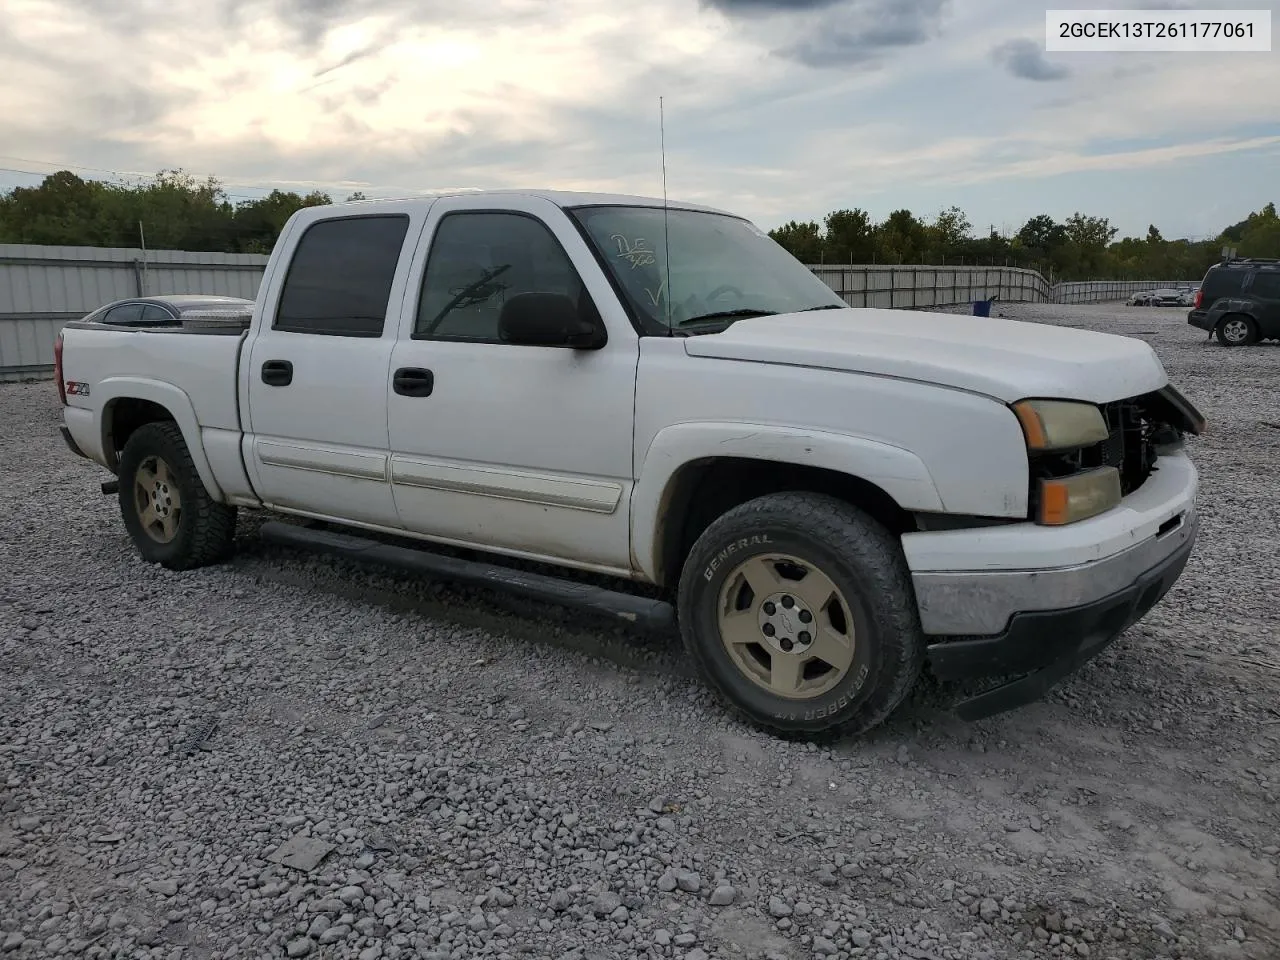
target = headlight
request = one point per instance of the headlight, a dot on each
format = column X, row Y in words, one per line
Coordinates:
column 1060, row 424
column 1079, row 496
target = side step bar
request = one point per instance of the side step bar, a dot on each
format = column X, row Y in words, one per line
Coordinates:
column 641, row 611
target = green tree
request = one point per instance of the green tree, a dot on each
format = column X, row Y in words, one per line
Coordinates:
column 901, row 238
column 802, row 240
column 948, row 235
column 1260, row 236
column 850, row 237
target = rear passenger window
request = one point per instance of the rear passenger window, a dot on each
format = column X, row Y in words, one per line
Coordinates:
column 126, row 313
column 339, row 280
column 1222, row 283
column 1266, row 285
column 153, row 314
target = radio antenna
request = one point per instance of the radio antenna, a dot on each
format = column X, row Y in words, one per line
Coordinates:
column 666, row 231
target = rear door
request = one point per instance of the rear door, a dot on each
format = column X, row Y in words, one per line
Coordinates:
column 316, row 437
column 1265, row 292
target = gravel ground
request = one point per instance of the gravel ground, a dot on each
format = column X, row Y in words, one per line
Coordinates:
column 484, row 780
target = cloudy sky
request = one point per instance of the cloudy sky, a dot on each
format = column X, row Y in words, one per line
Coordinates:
column 777, row 109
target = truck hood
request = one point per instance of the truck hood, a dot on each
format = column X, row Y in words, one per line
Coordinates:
column 1005, row 359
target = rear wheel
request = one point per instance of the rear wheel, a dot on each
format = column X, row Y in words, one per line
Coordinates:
column 1237, row 330
column 164, row 504
column 798, row 610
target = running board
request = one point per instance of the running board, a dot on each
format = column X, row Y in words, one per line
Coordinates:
column 641, row 611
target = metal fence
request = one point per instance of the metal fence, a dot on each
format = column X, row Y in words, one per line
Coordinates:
column 1105, row 291
column 924, row 286
column 43, row 287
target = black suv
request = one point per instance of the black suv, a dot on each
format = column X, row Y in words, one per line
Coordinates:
column 1239, row 300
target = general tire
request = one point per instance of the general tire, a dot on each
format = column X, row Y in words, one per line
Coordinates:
column 865, row 564
column 202, row 530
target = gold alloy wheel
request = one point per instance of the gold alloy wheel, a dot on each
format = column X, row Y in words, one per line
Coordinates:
column 157, row 500
column 786, row 626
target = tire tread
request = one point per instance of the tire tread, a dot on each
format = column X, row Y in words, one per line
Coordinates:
column 871, row 549
column 212, row 536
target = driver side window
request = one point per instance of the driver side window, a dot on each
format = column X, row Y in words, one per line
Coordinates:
column 478, row 261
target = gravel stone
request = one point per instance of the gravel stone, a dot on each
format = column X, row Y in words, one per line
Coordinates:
column 605, row 904
column 723, row 895
column 300, row 947
column 688, row 881
column 491, row 773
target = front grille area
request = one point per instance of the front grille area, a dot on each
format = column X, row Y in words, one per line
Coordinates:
column 1130, row 448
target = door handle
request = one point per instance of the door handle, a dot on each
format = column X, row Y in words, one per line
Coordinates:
column 277, row 373
column 413, row 382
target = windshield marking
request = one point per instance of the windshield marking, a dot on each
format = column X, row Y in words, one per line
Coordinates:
column 634, row 251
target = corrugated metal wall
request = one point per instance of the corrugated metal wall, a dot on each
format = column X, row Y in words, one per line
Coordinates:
column 925, row 286
column 43, row 287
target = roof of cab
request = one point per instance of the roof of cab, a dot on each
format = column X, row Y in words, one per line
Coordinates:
column 561, row 198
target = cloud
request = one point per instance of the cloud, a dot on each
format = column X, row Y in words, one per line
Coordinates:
column 757, row 7
column 1025, row 59
column 834, row 33
column 393, row 97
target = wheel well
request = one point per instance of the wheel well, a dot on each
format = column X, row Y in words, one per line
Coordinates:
column 704, row 490
column 123, row 417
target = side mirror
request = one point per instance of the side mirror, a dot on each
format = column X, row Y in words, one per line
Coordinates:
column 549, row 320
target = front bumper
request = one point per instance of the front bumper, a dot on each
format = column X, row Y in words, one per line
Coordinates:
column 1047, row 645
column 1040, row 601
column 1200, row 318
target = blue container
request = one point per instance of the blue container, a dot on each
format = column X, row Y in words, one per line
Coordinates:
column 982, row 308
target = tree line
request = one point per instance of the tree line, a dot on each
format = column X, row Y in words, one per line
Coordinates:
column 175, row 211
column 1080, row 248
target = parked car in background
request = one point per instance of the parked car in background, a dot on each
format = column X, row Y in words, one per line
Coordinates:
column 1239, row 301
column 1163, row 297
column 167, row 310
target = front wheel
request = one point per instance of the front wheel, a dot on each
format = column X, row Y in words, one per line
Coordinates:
column 164, row 504
column 798, row 610
column 1237, row 330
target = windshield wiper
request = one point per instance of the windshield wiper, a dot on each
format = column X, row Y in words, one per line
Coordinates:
column 825, row 306
column 723, row 314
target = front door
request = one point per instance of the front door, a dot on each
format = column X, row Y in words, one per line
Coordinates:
column 526, row 449
column 316, row 373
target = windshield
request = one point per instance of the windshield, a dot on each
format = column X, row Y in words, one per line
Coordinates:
column 722, row 268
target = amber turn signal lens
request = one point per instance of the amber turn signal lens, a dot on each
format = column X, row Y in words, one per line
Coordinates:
column 1079, row 497
column 1060, row 424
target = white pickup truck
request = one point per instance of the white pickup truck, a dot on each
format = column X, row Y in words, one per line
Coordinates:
column 826, row 500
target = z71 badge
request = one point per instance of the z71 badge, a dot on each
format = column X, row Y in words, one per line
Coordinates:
column 77, row 389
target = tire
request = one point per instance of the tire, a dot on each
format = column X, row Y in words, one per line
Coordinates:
column 1237, row 330
column 873, row 595
column 185, row 527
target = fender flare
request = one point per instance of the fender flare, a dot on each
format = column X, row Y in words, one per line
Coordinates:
column 173, row 399
column 898, row 472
